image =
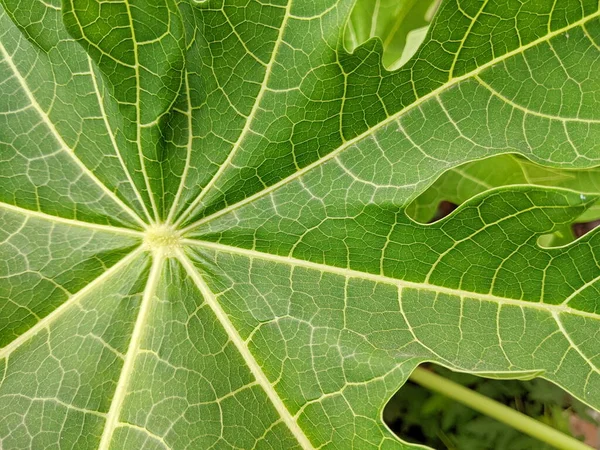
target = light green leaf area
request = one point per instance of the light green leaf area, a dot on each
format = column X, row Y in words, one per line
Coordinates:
column 205, row 231
column 463, row 182
column 400, row 24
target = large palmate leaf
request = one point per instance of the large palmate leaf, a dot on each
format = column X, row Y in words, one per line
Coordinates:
column 205, row 240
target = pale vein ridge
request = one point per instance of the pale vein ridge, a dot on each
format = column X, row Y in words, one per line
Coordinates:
column 237, row 340
column 58, row 137
column 112, row 418
column 294, row 262
column 580, row 290
column 188, row 153
column 575, row 347
column 247, row 125
column 465, row 37
column 29, row 213
column 138, row 112
column 113, row 140
column 531, row 112
column 54, row 315
column 394, row 117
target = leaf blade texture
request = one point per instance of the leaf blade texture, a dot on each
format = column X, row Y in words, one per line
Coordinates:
column 206, row 216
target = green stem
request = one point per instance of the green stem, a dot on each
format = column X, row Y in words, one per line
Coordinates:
column 496, row 410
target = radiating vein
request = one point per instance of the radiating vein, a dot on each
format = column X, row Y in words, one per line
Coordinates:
column 294, row 262
column 188, row 153
column 76, row 223
column 28, row 92
column 54, row 315
column 394, row 117
column 572, row 344
column 531, row 112
column 138, row 116
column 581, row 289
column 465, row 37
column 247, row 125
column 113, row 140
column 112, row 418
column 237, row 340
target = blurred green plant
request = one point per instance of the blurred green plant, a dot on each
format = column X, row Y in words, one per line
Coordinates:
column 425, row 417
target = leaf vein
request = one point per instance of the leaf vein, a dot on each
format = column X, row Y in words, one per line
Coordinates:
column 252, row 364
column 46, row 120
column 392, row 118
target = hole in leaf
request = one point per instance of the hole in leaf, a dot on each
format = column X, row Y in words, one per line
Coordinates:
column 400, row 25
column 579, row 229
column 461, row 183
column 444, row 208
column 421, row 416
column 567, row 234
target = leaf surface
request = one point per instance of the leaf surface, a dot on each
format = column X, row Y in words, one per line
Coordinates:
column 206, row 239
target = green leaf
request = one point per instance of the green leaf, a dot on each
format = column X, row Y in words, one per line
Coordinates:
column 461, row 183
column 205, row 231
column 400, row 24
column 139, row 48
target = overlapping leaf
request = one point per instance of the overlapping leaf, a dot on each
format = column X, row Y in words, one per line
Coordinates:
column 463, row 182
column 401, row 26
column 205, row 232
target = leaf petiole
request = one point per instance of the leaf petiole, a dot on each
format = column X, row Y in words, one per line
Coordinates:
column 496, row 410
